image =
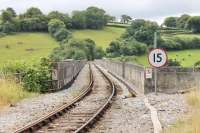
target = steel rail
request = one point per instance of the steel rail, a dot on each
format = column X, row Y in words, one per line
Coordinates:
column 84, row 127
column 58, row 112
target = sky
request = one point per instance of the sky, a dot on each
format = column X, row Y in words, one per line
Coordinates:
column 155, row 10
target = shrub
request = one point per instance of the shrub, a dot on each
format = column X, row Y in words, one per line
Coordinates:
column 35, row 78
column 61, row 34
column 172, row 62
column 126, row 47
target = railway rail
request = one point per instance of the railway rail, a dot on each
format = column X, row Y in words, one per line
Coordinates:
column 80, row 118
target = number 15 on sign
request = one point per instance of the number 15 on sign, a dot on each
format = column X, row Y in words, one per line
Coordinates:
column 157, row 58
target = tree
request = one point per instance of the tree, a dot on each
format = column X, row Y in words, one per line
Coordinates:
column 77, row 49
column 33, row 12
column 110, row 18
column 8, row 27
column 34, row 24
column 194, row 24
column 170, row 21
column 182, row 21
column 114, row 48
column 79, row 20
column 90, row 48
column 95, row 18
column 125, row 19
column 61, row 34
column 61, row 16
column 142, row 31
column 6, row 16
column 12, row 11
column 54, row 25
column 126, row 48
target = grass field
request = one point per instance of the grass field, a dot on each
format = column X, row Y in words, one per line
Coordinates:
column 186, row 57
column 101, row 37
column 25, row 46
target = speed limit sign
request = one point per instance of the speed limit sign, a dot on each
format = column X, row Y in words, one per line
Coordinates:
column 157, row 58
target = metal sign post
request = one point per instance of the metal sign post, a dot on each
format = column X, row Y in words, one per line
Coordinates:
column 155, row 69
column 157, row 58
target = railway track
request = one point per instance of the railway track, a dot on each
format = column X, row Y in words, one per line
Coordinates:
column 82, row 112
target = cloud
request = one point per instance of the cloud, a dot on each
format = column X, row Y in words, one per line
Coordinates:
column 149, row 9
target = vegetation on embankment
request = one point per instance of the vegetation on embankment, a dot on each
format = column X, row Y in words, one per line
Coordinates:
column 28, row 47
column 11, row 92
column 190, row 123
column 187, row 58
column 34, row 77
column 101, row 37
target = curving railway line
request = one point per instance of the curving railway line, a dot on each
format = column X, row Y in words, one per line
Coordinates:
column 82, row 112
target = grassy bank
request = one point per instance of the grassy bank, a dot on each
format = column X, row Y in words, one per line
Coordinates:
column 26, row 46
column 186, row 57
column 101, row 37
column 11, row 92
column 191, row 123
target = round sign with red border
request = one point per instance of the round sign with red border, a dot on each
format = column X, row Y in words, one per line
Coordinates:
column 157, row 57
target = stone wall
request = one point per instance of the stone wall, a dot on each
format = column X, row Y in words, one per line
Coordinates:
column 170, row 79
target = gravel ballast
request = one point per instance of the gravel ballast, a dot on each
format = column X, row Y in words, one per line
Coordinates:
column 170, row 107
column 126, row 114
column 31, row 109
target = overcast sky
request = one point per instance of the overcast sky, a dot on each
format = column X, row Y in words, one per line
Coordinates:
column 148, row 9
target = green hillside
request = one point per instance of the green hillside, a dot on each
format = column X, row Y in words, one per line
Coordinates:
column 25, row 46
column 101, row 37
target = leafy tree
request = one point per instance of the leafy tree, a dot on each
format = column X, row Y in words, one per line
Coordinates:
column 33, row 12
column 90, row 48
column 170, row 21
column 61, row 16
column 54, row 25
column 126, row 48
column 77, row 49
column 34, row 24
column 125, row 19
column 61, row 34
column 142, row 31
column 6, row 16
column 95, row 18
column 79, row 20
column 114, row 48
column 182, row 21
column 109, row 18
column 12, row 11
column 8, row 27
column 194, row 24
column 99, row 53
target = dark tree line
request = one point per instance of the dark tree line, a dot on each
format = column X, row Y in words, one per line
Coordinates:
column 34, row 20
column 184, row 22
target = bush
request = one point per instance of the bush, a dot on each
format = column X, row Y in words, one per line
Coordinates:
column 61, row 34
column 54, row 25
column 172, row 62
column 126, row 48
column 176, row 43
column 35, row 78
column 77, row 49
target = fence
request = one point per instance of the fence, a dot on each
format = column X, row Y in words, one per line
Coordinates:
column 175, row 79
column 65, row 72
column 170, row 79
column 132, row 73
